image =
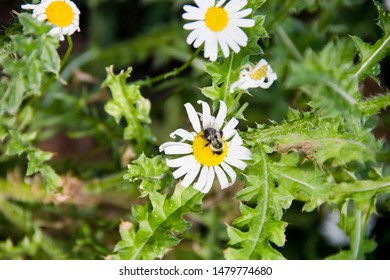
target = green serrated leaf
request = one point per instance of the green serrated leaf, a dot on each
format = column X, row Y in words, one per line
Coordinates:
column 373, row 105
column 128, row 103
column 259, row 224
column 322, row 139
column 370, row 55
column 153, row 173
column 361, row 191
column 159, row 224
column 32, row 26
column 308, row 186
column 326, row 77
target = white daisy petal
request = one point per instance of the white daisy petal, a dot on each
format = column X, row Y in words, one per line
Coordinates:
column 41, row 17
column 243, row 22
column 236, row 141
column 239, row 36
column 191, row 175
column 173, row 148
column 235, row 162
column 193, row 25
column 54, row 31
column 262, row 62
column 230, row 41
column 223, row 181
column 235, row 5
column 242, row 13
column 221, row 114
column 182, row 170
column 201, row 39
column 220, row 3
column 202, row 180
column 193, row 117
column 229, row 129
column 193, row 36
column 206, row 115
column 177, row 162
column 210, row 180
column 193, row 13
column 29, row 6
column 239, row 152
column 204, row 4
column 183, row 134
column 223, row 44
column 266, row 84
column 232, row 174
column 211, row 47
column 74, row 7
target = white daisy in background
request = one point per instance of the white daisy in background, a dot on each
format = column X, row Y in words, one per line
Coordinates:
column 260, row 75
column 62, row 14
column 211, row 149
column 215, row 25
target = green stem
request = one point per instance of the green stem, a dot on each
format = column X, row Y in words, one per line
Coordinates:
column 285, row 39
column 235, row 102
column 227, row 80
column 68, row 51
column 356, row 237
column 174, row 72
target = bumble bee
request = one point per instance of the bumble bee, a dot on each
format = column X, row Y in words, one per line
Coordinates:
column 214, row 140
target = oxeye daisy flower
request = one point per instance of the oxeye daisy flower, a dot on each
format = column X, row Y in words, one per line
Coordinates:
column 214, row 24
column 260, row 75
column 63, row 15
column 213, row 148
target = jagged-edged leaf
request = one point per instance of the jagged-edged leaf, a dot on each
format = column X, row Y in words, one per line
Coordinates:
column 324, row 78
column 373, row 105
column 21, row 143
column 128, row 103
column 323, row 139
column 153, row 173
column 259, row 223
column 370, row 55
column 159, row 224
column 362, row 191
column 29, row 61
column 309, row 186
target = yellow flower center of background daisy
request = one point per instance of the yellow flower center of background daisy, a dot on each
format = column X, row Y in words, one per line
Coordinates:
column 216, row 19
column 203, row 153
column 259, row 73
column 59, row 13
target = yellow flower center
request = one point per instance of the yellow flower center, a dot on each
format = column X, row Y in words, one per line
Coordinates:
column 59, row 13
column 203, row 153
column 216, row 19
column 259, row 73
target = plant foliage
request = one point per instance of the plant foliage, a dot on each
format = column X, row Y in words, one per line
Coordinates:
column 79, row 145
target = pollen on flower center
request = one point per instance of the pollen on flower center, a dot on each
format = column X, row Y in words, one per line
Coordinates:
column 216, row 19
column 203, row 153
column 59, row 13
column 259, row 73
